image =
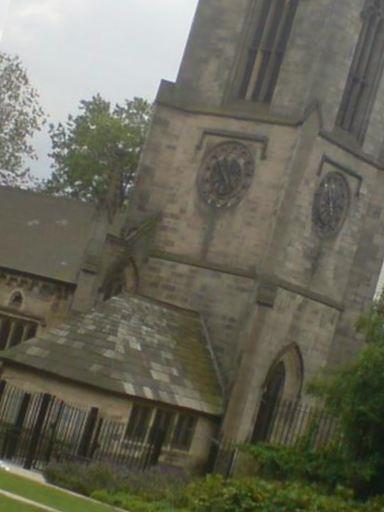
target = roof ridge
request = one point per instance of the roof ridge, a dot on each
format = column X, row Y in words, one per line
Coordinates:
column 38, row 193
column 158, row 302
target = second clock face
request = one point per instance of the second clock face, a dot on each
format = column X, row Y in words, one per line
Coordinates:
column 226, row 174
column 331, row 204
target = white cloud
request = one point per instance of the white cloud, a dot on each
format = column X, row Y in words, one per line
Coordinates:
column 73, row 49
column 4, row 6
column 46, row 11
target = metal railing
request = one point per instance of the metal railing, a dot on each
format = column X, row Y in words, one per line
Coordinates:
column 36, row 429
column 287, row 423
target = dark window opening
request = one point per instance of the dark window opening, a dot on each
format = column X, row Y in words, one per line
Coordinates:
column 14, row 330
column 162, row 425
column 30, row 332
column 364, row 75
column 113, row 288
column 16, row 334
column 16, row 300
column 269, row 403
column 184, row 432
column 5, row 328
column 138, row 424
column 267, row 50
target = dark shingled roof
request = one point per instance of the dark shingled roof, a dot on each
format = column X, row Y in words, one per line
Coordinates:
column 131, row 345
column 42, row 235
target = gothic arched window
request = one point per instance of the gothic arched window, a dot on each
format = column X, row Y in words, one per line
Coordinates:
column 272, row 394
column 267, row 49
column 365, row 72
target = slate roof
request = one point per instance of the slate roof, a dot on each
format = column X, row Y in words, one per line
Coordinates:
column 43, row 235
column 131, row 345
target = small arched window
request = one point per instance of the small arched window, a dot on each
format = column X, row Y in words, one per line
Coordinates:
column 267, row 50
column 365, row 73
column 16, row 300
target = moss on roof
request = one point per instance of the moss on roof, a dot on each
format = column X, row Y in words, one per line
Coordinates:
column 131, row 345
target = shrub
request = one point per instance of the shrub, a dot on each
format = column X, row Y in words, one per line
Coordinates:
column 133, row 503
column 214, row 494
column 166, row 490
column 160, row 483
column 329, row 467
column 375, row 505
column 356, row 394
column 83, row 478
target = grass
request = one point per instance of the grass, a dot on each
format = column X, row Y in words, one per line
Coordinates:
column 45, row 495
column 8, row 505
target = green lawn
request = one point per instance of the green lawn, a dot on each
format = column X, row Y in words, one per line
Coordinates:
column 45, row 495
column 7, row 505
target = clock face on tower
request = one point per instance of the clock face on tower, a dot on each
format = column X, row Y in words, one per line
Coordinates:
column 226, row 174
column 331, row 203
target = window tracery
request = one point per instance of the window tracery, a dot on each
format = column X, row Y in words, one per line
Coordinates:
column 267, row 50
column 365, row 72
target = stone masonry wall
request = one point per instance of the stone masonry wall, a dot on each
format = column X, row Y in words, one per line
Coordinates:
column 293, row 321
column 222, row 299
column 43, row 299
column 312, row 69
column 112, row 407
column 236, row 237
column 300, row 255
column 201, row 254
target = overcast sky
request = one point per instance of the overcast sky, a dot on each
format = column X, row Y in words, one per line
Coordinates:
column 73, row 49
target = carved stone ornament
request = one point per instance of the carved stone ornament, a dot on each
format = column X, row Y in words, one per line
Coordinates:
column 226, row 174
column 331, row 204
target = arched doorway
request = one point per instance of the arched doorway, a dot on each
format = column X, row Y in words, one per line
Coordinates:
column 273, row 392
column 283, row 382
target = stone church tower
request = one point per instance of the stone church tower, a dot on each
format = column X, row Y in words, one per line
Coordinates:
column 265, row 162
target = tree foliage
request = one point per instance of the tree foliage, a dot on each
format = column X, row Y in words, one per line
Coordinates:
column 356, row 393
column 97, row 142
column 20, row 117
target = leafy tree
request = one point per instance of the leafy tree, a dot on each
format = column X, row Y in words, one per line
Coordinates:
column 99, row 141
column 356, row 394
column 20, row 117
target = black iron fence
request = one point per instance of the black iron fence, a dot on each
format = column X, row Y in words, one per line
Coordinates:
column 38, row 428
column 286, row 424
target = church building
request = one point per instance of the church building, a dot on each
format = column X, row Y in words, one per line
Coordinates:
column 253, row 241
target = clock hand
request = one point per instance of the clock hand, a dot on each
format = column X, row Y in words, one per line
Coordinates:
column 330, row 203
column 332, row 198
column 223, row 172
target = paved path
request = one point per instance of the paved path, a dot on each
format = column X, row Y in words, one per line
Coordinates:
column 20, row 499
